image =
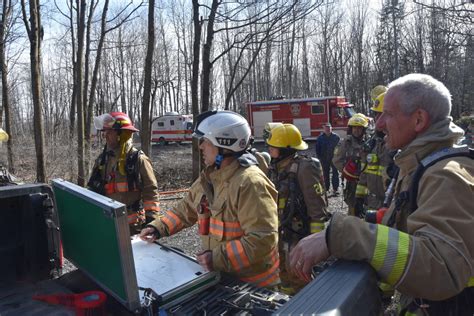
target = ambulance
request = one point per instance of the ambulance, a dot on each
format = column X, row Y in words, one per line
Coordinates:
column 171, row 127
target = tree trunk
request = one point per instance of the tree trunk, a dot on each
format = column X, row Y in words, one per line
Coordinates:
column 206, row 58
column 6, row 15
column 35, row 35
column 195, row 81
column 95, row 72
column 81, row 5
column 145, row 134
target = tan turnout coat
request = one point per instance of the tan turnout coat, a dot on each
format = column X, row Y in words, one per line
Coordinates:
column 243, row 232
column 430, row 253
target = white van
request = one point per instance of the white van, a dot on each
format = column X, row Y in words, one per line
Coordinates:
column 171, row 127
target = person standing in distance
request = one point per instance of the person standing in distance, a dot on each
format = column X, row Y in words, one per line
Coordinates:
column 325, row 145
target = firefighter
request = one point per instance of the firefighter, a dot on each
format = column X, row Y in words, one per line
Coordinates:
column 378, row 169
column 348, row 157
column 425, row 244
column 123, row 172
column 301, row 205
column 232, row 201
column 6, row 178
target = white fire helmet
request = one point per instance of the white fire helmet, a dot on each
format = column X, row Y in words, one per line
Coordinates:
column 224, row 129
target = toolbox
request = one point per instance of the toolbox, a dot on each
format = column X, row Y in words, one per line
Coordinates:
column 95, row 237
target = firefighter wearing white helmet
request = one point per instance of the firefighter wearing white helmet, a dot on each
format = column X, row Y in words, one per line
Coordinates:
column 301, row 204
column 123, row 172
column 348, row 157
column 233, row 202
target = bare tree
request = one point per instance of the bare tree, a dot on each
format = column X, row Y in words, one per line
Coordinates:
column 35, row 35
column 5, row 35
column 196, row 57
column 78, row 82
column 145, row 135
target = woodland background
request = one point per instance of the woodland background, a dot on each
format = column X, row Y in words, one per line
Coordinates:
column 65, row 61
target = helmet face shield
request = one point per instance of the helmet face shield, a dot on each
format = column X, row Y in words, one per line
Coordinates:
column 114, row 120
column 103, row 122
column 199, row 119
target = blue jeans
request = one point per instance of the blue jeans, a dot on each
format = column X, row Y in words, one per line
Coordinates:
column 327, row 168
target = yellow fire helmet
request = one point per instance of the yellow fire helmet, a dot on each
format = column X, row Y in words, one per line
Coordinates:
column 268, row 127
column 376, row 91
column 358, row 119
column 286, row 136
column 3, row 135
column 378, row 103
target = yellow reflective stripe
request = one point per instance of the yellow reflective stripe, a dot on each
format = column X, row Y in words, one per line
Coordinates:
column 281, row 203
column 373, row 167
column 470, row 283
column 390, row 254
column 380, row 247
column 410, row 314
column 402, row 258
column 316, row 227
column 375, row 172
column 361, row 190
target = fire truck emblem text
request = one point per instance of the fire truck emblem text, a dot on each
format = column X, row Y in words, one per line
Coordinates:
column 295, row 109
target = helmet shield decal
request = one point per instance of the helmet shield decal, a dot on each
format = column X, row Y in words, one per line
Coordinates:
column 226, row 141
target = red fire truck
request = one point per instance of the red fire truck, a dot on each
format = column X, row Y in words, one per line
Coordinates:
column 309, row 114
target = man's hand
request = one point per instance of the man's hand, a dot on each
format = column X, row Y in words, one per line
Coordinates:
column 149, row 234
column 308, row 252
column 205, row 260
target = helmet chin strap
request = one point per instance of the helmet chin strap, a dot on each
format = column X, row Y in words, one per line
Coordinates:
column 221, row 156
column 218, row 161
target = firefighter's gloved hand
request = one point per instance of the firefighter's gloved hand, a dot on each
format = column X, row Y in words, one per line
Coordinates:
column 149, row 234
column 205, row 260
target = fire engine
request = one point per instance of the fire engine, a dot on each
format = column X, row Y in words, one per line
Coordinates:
column 171, row 127
column 309, row 114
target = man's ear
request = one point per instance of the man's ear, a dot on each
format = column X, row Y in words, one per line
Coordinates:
column 422, row 120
